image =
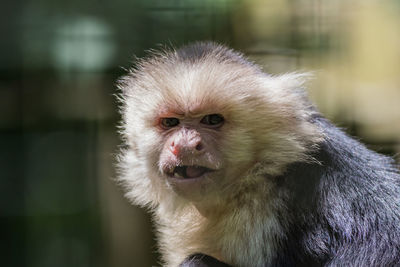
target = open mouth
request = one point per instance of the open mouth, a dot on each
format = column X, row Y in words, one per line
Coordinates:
column 188, row 172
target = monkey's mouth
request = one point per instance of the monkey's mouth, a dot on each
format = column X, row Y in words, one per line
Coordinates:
column 189, row 172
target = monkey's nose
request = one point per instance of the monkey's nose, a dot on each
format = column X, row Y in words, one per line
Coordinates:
column 189, row 147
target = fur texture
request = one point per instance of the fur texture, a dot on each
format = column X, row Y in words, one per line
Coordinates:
column 295, row 190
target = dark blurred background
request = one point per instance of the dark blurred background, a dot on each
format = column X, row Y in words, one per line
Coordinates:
column 59, row 205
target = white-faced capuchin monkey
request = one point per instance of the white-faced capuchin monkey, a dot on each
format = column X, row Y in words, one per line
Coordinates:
column 238, row 168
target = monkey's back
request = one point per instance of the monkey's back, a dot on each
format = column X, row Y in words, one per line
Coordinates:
column 345, row 208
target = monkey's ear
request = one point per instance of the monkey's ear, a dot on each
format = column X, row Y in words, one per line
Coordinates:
column 288, row 89
column 202, row 260
column 293, row 80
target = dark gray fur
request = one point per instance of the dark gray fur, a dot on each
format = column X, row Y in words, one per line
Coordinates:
column 345, row 210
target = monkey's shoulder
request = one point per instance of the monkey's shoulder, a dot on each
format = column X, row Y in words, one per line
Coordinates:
column 345, row 204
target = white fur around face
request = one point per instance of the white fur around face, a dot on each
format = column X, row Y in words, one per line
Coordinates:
column 243, row 233
column 267, row 127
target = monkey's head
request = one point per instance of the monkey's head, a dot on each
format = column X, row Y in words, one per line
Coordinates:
column 198, row 120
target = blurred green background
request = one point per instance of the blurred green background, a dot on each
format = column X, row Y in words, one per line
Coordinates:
column 59, row 205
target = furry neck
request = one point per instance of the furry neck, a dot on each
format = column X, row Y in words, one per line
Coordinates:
column 245, row 230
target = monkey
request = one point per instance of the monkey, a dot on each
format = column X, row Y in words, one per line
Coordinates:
column 239, row 168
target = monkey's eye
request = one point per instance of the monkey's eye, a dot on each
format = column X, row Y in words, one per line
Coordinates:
column 213, row 120
column 169, row 122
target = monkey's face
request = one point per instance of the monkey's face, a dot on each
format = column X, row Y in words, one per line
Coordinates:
column 197, row 128
column 193, row 130
column 190, row 158
column 203, row 149
column 195, row 157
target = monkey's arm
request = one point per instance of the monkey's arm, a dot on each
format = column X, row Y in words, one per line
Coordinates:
column 202, row 260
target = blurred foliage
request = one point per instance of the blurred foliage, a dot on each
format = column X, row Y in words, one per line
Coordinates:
column 59, row 205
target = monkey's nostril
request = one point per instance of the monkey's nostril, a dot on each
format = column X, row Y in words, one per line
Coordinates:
column 175, row 151
column 199, row 147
